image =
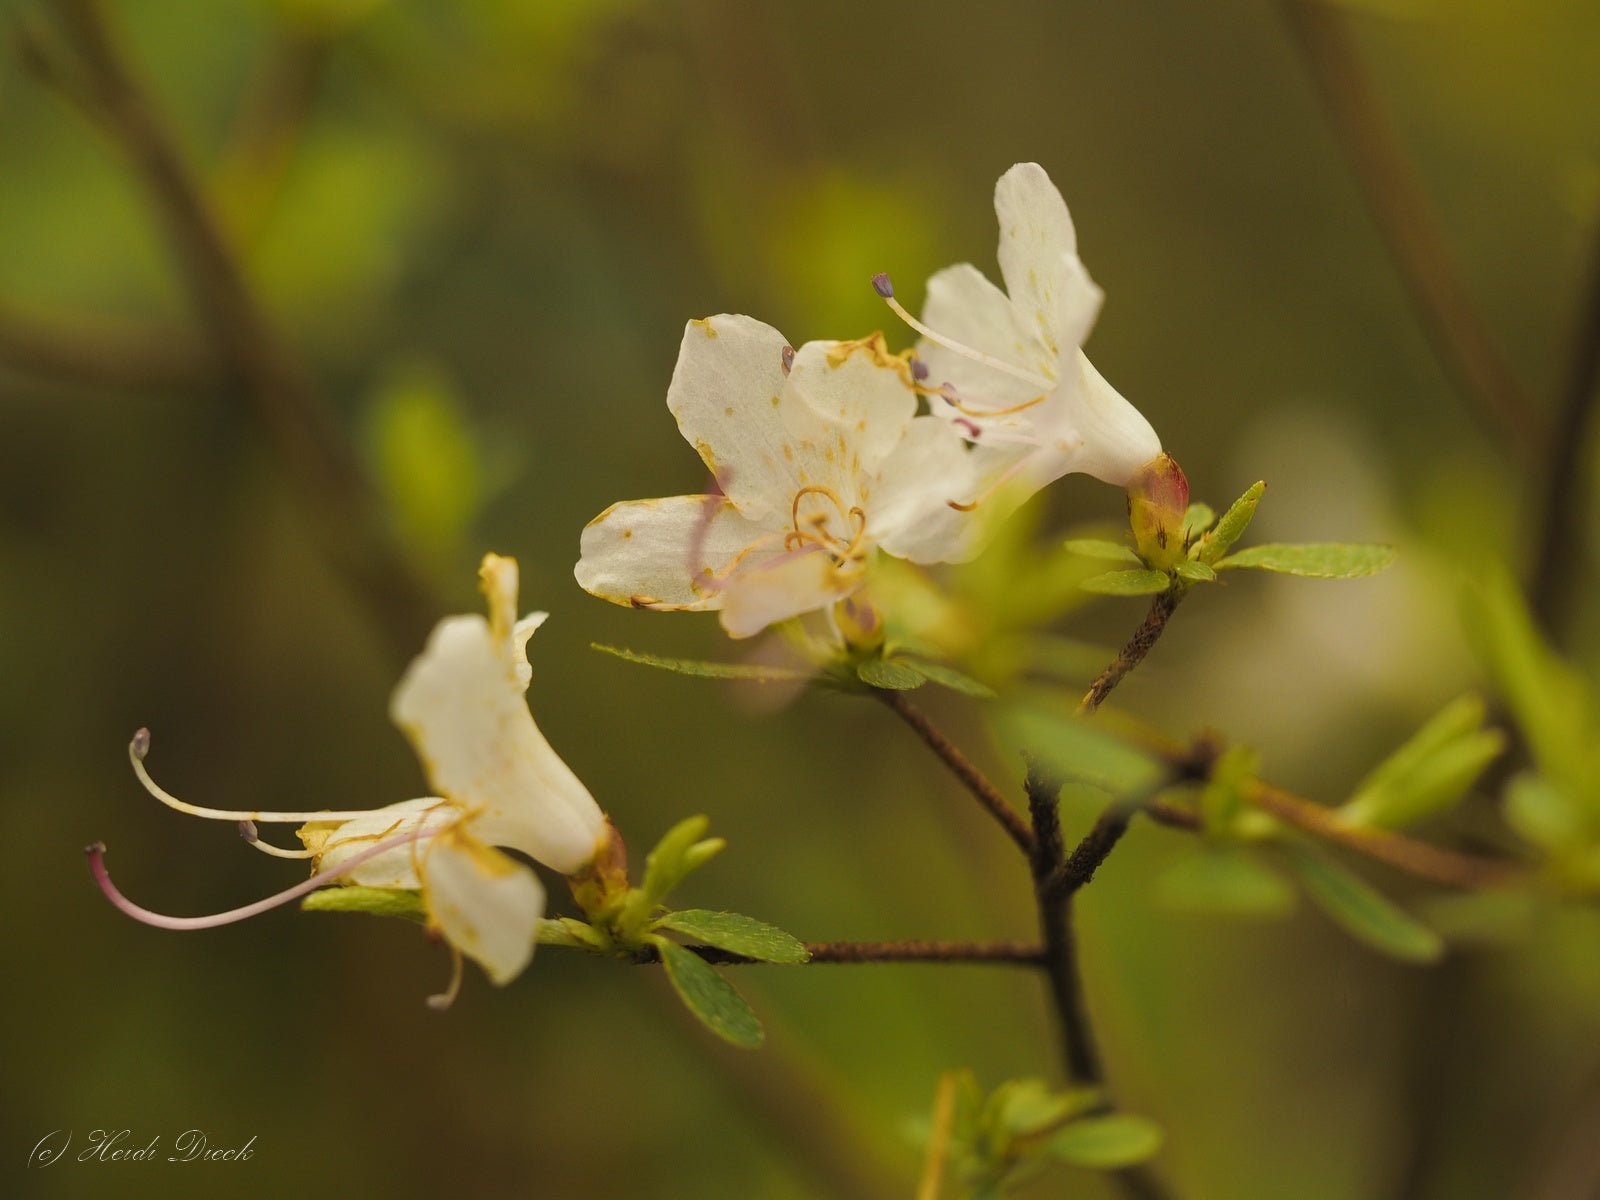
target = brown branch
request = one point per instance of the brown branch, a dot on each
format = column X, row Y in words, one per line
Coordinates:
column 1079, row 867
column 995, row 804
column 1395, row 199
column 102, row 353
column 330, row 480
column 1449, row 868
column 1131, row 655
column 1563, row 518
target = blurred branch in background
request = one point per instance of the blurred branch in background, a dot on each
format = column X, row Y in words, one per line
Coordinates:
column 104, row 353
column 1394, row 195
column 1563, row 526
column 328, row 479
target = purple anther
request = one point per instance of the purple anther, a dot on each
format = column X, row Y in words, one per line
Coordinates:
column 788, row 358
column 881, row 285
column 248, row 831
column 919, row 370
column 141, row 744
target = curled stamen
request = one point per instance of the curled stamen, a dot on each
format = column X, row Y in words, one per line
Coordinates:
column 954, row 399
column 816, row 489
column 140, row 746
column 247, row 830
column 988, row 360
column 97, row 868
column 446, row 998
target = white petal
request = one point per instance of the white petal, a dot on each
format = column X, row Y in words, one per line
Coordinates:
column 965, row 307
column 334, row 843
column 485, row 903
column 461, row 703
column 666, row 554
column 863, row 395
column 785, row 587
column 912, row 516
column 726, row 392
column 1112, row 439
column 1055, row 299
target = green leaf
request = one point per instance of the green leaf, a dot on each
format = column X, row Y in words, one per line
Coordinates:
column 947, row 676
column 1234, row 522
column 672, row 859
column 709, row 670
column 709, row 996
column 1222, row 797
column 1106, row 1143
column 737, row 934
column 1543, row 815
column 1225, row 882
column 566, row 931
column 1077, row 749
column 1414, row 784
column 1101, row 548
column 1549, row 698
column 1197, row 520
column 1193, row 571
column 1128, row 583
column 1313, row 560
column 1023, row 1107
column 380, row 902
column 893, row 676
column 1363, row 913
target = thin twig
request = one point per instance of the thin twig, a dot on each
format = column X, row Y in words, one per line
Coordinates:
column 995, row 804
column 1564, row 519
column 1449, row 868
column 1079, row 866
column 330, row 480
column 1131, row 655
column 1395, row 198
column 101, row 352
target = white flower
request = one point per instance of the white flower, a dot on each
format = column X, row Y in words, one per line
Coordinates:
column 462, row 705
column 820, row 459
column 1007, row 368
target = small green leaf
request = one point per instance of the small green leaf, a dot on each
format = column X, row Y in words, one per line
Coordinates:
column 1409, row 787
column 1313, row 560
column 1197, row 520
column 1364, row 914
column 667, row 864
column 709, row 670
column 1101, row 548
column 1543, row 815
column 1225, row 882
column 1193, row 570
column 380, row 902
column 1077, row 749
column 1106, row 1143
column 893, row 676
column 709, row 996
column 1027, row 1107
column 566, row 931
column 737, row 934
column 1234, row 522
column 1128, row 583
column 947, row 676
column 1222, row 797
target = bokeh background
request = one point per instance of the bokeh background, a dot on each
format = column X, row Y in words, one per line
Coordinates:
column 479, row 227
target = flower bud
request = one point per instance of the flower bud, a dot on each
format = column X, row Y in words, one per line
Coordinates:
column 1158, row 499
column 602, row 882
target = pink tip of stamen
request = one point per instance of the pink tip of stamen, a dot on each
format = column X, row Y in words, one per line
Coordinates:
column 97, row 868
column 248, row 831
column 141, row 743
column 971, row 427
column 881, row 285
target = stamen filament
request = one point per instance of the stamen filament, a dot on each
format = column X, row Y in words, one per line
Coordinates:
column 988, row 360
column 953, row 398
column 1006, row 477
column 140, row 746
column 446, row 998
column 97, row 868
column 247, row 830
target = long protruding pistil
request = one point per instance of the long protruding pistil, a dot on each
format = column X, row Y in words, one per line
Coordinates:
column 881, row 284
column 97, row 868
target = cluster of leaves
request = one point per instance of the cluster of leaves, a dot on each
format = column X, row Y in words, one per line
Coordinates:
column 634, row 923
column 1555, row 805
column 1207, row 542
column 999, row 1141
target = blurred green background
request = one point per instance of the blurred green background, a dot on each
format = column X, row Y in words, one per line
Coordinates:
column 481, row 226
